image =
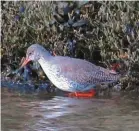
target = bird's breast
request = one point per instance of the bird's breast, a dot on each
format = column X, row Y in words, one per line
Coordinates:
column 54, row 74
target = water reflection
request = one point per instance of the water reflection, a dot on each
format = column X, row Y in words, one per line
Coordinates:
column 31, row 113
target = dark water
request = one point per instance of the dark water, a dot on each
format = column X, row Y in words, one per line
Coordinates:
column 40, row 112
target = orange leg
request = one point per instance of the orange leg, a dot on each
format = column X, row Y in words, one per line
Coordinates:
column 89, row 94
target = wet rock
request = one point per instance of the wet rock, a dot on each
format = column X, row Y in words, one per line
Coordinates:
column 80, row 23
column 77, row 15
column 129, row 29
column 27, row 72
column 44, row 87
column 67, row 10
column 17, row 18
column 71, row 22
column 71, row 44
column 11, row 74
column 22, row 9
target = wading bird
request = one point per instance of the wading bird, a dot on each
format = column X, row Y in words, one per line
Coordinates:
column 77, row 76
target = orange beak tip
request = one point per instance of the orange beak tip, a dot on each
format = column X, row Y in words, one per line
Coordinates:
column 25, row 62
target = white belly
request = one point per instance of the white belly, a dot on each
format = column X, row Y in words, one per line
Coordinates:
column 60, row 82
column 53, row 73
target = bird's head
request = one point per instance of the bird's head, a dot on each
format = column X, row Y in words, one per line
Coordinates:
column 34, row 53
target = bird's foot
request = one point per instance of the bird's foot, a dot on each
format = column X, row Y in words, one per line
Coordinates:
column 89, row 94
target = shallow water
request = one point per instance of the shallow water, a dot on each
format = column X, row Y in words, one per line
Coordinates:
column 40, row 112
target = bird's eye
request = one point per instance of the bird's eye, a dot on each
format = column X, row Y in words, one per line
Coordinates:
column 31, row 53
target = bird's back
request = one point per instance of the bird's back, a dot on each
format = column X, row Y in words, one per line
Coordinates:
column 82, row 71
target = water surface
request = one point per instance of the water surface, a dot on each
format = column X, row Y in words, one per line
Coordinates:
column 41, row 112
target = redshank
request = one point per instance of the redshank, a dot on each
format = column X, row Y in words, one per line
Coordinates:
column 77, row 76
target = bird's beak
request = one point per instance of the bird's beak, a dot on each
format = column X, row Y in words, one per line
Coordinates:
column 25, row 62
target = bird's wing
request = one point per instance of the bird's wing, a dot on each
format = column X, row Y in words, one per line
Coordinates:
column 83, row 71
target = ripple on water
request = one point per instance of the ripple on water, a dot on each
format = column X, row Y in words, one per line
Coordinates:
column 29, row 112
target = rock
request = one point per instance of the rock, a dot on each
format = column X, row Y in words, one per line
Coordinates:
column 71, row 44
column 80, row 23
column 22, row 9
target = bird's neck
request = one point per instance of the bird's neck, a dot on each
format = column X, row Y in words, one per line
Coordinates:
column 44, row 60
